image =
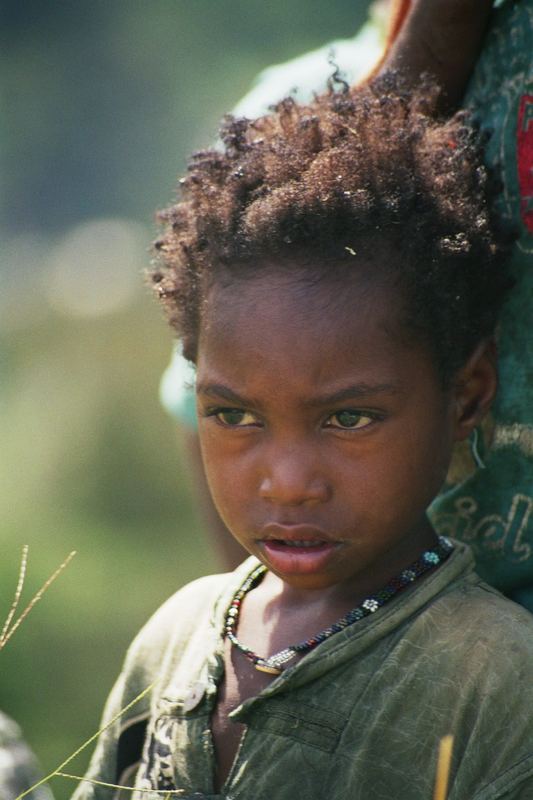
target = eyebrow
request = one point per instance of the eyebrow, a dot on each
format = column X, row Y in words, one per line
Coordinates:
column 219, row 390
column 353, row 392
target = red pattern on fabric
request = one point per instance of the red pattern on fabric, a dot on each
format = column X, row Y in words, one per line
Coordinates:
column 525, row 159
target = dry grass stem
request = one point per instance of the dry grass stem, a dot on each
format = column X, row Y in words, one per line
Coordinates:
column 7, row 631
column 18, row 592
column 167, row 793
column 443, row 767
column 86, row 744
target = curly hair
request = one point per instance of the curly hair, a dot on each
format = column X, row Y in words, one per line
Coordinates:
column 328, row 183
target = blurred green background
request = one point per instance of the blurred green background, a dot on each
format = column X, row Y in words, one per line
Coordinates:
column 101, row 103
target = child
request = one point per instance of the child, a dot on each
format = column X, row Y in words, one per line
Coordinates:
column 335, row 275
column 487, row 500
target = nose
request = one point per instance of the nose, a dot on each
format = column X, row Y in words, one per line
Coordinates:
column 292, row 475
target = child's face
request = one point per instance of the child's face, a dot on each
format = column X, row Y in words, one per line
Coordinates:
column 325, row 432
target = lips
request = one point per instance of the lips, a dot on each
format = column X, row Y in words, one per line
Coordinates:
column 296, row 549
column 294, row 532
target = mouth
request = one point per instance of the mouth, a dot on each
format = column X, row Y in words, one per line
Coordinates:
column 307, row 543
column 296, row 549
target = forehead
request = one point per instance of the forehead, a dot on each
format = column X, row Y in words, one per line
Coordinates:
column 306, row 333
column 288, row 303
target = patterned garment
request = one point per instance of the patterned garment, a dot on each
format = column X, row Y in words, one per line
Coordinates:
column 18, row 767
column 358, row 718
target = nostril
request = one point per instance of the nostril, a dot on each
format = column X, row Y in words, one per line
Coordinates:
column 293, row 491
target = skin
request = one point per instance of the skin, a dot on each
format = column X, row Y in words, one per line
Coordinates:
column 442, row 37
column 320, row 420
column 228, row 550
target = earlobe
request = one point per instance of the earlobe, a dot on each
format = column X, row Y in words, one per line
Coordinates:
column 475, row 388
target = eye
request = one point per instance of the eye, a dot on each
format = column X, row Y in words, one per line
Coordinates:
column 233, row 417
column 350, row 419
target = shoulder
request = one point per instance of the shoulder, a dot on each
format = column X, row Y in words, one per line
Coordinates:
column 470, row 667
column 481, row 610
column 189, row 609
column 177, row 616
column 474, row 631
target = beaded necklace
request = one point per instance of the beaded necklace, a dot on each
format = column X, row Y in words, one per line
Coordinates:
column 275, row 664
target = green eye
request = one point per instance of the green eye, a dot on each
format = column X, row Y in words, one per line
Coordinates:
column 234, row 417
column 349, row 420
column 231, row 416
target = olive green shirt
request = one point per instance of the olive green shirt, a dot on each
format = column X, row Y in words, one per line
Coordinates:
column 358, row 718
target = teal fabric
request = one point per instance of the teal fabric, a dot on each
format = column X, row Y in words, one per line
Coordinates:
column 491, row 508
column 358, row 718
column 177, row 390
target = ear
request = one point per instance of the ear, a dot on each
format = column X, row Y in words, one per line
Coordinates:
column 475, row 386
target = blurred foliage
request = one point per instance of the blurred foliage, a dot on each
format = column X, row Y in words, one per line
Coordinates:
column 102, row 101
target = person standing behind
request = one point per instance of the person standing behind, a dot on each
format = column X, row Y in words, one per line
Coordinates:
column 488, row 499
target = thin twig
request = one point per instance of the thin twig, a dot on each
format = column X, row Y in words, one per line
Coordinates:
column 166, row 792
column 87, row 743
column 443, row 767
column 5, row 638
column 18, row 592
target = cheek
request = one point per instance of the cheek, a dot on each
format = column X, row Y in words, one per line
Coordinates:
column 409, row 471
column 403, row 467
column 227, row 472
column 213, row 456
